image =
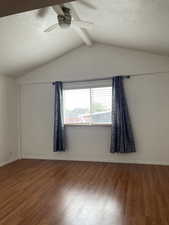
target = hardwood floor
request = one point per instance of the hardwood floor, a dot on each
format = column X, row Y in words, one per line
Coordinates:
column 37, row 192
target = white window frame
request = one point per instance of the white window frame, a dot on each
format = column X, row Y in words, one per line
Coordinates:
column 86, row 85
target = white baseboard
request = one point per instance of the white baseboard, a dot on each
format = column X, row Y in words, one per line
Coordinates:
column 89, row 158
column 7, row 162
column 75, row 157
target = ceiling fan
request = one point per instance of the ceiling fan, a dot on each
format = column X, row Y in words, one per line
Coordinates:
column 67, row 17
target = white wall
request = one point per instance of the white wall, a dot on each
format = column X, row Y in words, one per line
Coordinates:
column 8, row 120
column 147, row 98
column 97, row 62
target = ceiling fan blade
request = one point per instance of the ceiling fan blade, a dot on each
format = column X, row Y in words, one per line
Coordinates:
column 42, row 12
column 87, row 4
column 58, row 9
column 52, row 27
column 82, row 24
column 73, row 11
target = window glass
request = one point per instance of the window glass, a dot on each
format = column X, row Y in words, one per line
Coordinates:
column 88, row 106
column 101, row 104
column 77, row 106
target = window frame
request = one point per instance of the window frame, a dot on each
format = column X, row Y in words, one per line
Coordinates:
column 88, row 86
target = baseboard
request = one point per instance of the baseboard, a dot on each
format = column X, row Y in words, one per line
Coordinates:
column 7, row 162
column 89, row 158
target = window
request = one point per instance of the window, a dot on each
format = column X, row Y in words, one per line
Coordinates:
column 88, row 106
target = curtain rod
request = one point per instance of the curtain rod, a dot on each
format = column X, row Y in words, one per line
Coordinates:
column 97, row 79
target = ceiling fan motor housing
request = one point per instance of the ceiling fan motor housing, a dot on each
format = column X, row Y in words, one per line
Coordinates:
column 66, row 19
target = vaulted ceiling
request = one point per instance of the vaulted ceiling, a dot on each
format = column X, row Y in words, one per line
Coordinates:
column 135, row 24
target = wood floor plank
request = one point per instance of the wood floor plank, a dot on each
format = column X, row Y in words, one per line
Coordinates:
column 39, row 192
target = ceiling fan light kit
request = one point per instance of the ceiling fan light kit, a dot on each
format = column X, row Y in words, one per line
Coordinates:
column 66, row 19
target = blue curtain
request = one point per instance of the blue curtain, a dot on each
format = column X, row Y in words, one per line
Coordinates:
column 122, row 139
column 59, row 138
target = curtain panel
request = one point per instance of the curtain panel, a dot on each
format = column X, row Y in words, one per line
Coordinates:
column 59, row 136
column 122, row 139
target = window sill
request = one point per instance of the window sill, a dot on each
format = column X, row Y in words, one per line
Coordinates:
column 88, row 125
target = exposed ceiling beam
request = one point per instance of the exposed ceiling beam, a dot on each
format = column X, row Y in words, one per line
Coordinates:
column 9, row 7
column 81, row 32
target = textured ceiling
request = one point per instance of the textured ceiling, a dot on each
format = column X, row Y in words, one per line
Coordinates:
column 137, row 24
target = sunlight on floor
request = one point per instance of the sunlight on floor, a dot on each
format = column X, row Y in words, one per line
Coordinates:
column 90, row 207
